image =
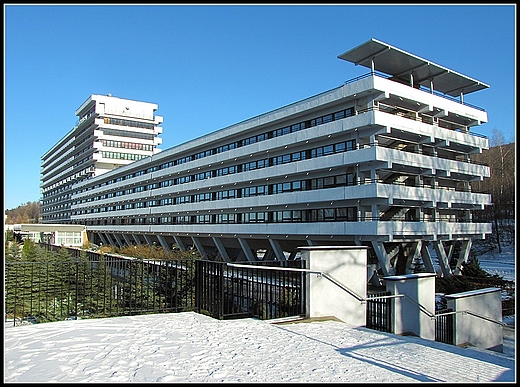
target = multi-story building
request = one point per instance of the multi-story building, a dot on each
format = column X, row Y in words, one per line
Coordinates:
column 110, row 132
column 384, row 160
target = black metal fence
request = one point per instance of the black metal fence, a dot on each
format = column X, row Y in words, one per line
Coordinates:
column 444, row 326
column 227, row 291
column 106, row 287
column 85, row 284
column 379, row 312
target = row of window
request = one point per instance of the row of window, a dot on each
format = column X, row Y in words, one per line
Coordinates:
column 127, row 145
column 343, row 214
column 250, row 140
column 268, row 189
column 122, row 156
column 123, row 133
column 133, row 124
column 292, row 157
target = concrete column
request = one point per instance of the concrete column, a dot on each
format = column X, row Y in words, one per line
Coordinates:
column 412, row 313
column 164, row 244
column 341, row 290
column 482, row 328
column 200, row 247
column 118, row 240
column 427, row 258
column 382, row 257
column 415, row 252
column 464, row 255
column 180, row 243
column 148, row 240
column 275, row 245
column 103, row 239
column 442, row 258
column 109, row 239
column 221, row 249
column 127, row 240
column 246, row 250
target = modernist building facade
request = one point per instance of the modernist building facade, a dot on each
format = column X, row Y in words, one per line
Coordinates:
column 110, row 132
column 383, row 161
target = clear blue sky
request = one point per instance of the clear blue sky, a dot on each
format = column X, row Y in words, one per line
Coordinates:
column 208, row 67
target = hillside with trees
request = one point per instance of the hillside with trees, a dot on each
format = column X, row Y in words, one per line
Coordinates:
column 501, row 185
column 25, row 213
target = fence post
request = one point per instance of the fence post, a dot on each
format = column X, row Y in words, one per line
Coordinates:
column 414, row 313
column 324, row 298
column 478, row 328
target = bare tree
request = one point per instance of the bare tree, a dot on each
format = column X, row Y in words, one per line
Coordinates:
column 501, row 185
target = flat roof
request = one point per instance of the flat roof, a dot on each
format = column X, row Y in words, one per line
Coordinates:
column 48, row 227
column 399, row 64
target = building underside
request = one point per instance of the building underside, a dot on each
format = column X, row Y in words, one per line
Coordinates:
column 384, row 258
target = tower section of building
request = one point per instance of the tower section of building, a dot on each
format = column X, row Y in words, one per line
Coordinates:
column 384, row 160
column 110, row 132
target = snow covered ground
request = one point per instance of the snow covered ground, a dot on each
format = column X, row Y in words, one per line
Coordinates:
column 190, row 347
column 502, row 264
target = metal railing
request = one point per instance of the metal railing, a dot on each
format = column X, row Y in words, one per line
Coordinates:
column 422, row 88
column 379, row 312
column 107, row 287
column 444, row 328
column 265, row 290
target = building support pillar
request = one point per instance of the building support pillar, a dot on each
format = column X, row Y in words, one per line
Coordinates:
column 127, row 240
column 103, row 239
column 275, row 245
column 444, row 262
column 414, row 253
column 199, row 247
column 382, row 257
column 427, row 258
column 180, row 243
column 118, row 241
column 164, row 244
column 136, row 239
column 221, row 249
column 246, row 250
column 148, row 240
column 464, row 255
column 110, row 241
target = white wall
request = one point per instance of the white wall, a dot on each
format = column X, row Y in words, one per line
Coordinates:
column 473, row 330
column 411, row 314
column 348, row 266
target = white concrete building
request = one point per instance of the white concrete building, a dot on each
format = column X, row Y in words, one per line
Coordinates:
column 383, row 161
column 69, row 235
column 110, row 132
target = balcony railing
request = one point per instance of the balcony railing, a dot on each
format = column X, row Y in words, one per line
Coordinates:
column 422, row 88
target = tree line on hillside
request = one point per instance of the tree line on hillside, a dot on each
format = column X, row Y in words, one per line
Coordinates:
column 25, row 213
column 501, row 185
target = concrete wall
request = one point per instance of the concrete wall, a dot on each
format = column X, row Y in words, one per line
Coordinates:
column 473, row 330
column 412, row 313
column 348, row 266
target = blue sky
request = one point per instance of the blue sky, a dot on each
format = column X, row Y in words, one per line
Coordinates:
column 208, row 67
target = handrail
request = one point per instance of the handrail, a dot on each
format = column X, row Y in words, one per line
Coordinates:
column 422, row 88
column 318, row 272
column 361, row 299
column 473, row 314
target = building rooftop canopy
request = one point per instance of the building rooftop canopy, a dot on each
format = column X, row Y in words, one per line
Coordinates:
column 400, row 64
